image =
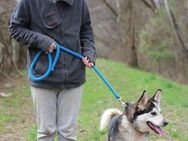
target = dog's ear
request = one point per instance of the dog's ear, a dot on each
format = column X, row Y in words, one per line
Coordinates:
column 157, row 96
column 142, row 102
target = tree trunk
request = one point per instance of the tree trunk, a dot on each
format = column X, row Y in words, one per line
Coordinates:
column 131, row 35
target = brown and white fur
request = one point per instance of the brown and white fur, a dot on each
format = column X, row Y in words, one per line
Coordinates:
column 135, row 123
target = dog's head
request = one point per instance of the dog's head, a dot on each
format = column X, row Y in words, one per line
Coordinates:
column 145, row 114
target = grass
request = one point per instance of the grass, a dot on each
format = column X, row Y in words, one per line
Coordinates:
column 16, row 111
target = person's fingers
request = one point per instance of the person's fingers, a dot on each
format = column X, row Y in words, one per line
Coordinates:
column 91, row 64
column 52, row 48
column 87, row 62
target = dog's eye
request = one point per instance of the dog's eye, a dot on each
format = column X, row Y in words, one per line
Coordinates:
column 154, row 113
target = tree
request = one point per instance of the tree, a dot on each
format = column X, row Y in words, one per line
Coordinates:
column 9, row 49
column 119, row 24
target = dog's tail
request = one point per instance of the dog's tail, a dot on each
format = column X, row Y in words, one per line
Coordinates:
column 107, row 116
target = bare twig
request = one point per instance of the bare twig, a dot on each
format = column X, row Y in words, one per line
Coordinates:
column 149, row 5
column 7, row 76
column 154, row 4
column 111, row 8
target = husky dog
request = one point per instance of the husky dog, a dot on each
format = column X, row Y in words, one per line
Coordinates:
column 138, row 119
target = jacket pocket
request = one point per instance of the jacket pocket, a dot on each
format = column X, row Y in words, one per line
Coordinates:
column 49, row 14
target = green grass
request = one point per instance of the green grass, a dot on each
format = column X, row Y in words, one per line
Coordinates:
column 129, row 83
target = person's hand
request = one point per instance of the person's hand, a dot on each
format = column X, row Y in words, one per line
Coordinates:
column 52, row 48
column 87, row 62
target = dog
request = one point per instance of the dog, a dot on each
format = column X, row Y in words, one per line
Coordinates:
column 137, row 120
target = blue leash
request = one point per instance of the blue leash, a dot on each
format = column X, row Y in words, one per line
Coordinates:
column 52, row 64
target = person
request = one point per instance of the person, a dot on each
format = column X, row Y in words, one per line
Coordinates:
column 39, row 24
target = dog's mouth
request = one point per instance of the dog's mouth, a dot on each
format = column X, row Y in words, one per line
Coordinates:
column 156, row 128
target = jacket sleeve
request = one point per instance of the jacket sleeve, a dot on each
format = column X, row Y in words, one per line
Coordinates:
column 19, row 28
column 86, row 35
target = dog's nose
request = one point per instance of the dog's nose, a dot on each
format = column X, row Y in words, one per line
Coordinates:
column 165, row 123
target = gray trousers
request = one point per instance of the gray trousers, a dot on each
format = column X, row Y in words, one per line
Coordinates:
column 56, row 112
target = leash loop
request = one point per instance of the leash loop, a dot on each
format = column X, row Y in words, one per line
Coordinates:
column 33, row 64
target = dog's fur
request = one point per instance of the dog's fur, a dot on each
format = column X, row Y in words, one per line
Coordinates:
column 136, row 122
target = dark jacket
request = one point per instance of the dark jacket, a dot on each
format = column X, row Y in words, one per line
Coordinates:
column 38, row 23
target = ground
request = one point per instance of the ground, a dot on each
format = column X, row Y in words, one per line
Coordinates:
column 17, row 121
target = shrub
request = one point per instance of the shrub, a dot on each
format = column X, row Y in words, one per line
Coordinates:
column 156, row 39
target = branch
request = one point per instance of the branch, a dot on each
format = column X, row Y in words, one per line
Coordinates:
column 178, row 32
column 176, row 29
column 154, row 4
column 118, row 17
column 148, row 5
column 111, row 8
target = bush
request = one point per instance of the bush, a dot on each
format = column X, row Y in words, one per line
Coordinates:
column 156, row 39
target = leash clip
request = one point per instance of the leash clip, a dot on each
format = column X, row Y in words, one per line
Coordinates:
column 123, row 104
